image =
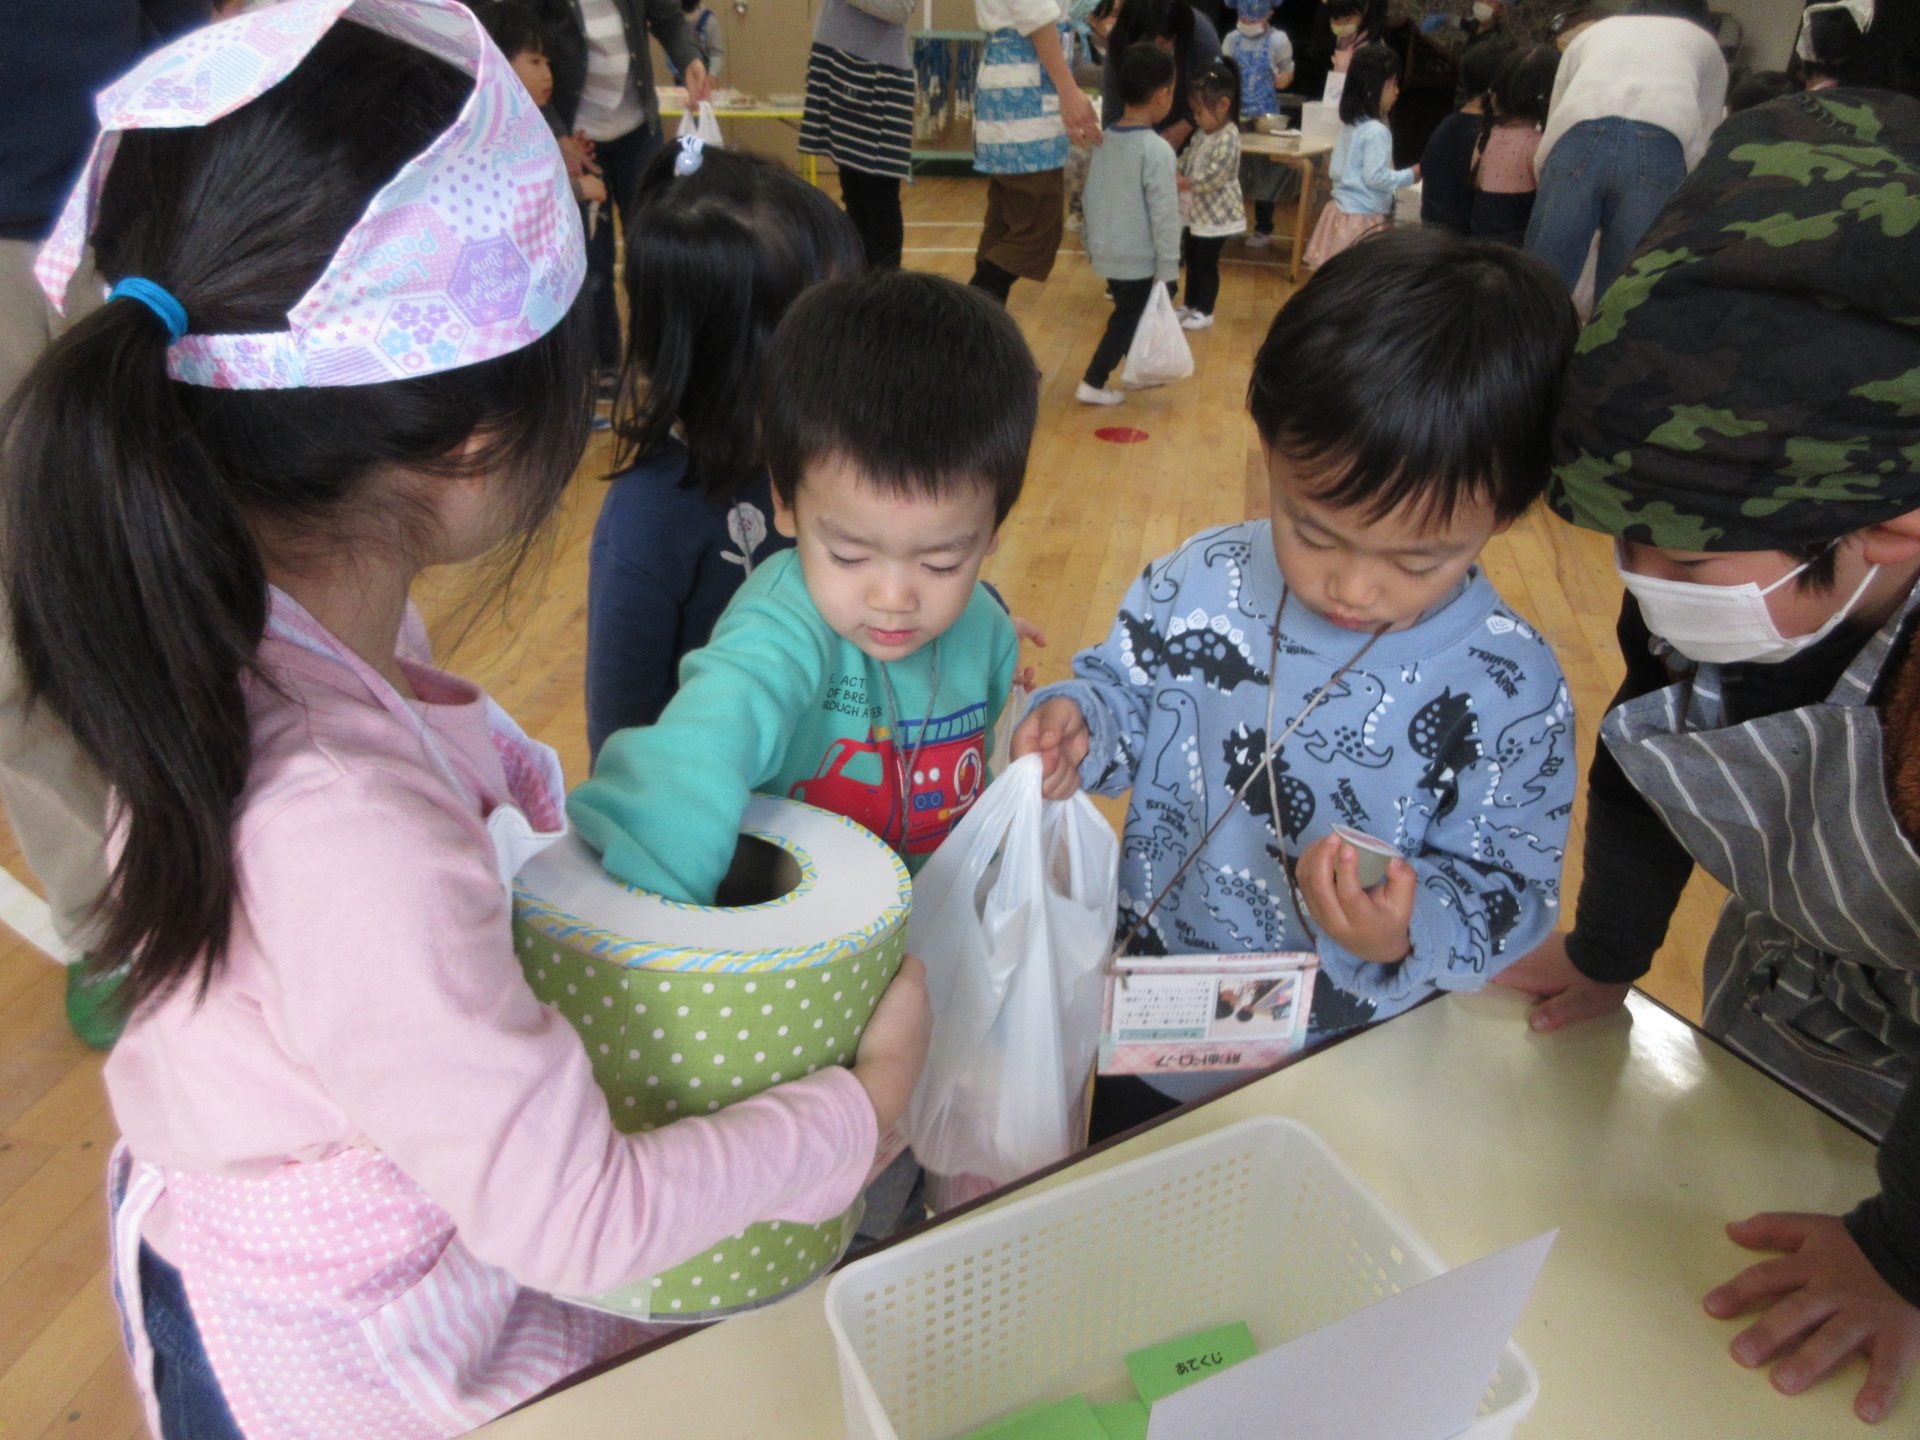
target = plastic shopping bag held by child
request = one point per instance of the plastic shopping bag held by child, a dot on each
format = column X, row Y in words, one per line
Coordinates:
column 1014, row 917
column 1159, row 352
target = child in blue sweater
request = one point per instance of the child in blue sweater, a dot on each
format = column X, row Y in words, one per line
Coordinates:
column 1364, row 178
column 1403, row 400
column 863, row 670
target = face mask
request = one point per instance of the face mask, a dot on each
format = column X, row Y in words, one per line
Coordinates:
column 1725, row 624
column 1483, row 12
column 1344, row 31
column 1253, row 29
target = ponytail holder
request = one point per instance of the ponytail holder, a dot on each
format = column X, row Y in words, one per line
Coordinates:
column 172, row 313
column 692, row 155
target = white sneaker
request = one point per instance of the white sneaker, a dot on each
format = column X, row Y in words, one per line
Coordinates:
column 1258, row 241
column 1181, row 312
column 1088, row 395
column 1194, row 320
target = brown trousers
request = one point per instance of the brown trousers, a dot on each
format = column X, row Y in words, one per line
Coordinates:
column 1026, row 216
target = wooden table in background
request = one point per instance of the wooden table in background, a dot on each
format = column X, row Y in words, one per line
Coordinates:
column 1309, row 159
column 1636, row 1136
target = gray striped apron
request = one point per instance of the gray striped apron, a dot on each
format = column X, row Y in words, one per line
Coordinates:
column 1814, row 969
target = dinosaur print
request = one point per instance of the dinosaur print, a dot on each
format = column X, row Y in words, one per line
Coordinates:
column 1243, row 749
column 1355, row 743
column 1445, row 734
column 1531, row 751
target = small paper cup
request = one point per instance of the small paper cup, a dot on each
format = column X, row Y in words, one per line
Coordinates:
column 1375, row 855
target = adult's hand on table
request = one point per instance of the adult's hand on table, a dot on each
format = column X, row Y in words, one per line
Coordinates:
column 1824, row 1303
column 1564, row 996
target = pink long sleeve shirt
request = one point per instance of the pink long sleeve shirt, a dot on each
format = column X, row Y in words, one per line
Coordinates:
column 371, row 999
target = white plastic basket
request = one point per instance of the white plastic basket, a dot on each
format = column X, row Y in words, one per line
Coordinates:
column 1045, row 1297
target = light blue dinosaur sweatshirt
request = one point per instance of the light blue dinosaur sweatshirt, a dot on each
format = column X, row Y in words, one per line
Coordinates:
column 1452, row 740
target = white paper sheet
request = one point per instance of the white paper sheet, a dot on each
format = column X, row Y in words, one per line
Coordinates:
column 1411, row 1367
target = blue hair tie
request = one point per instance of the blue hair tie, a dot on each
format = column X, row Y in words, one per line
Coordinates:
column 692, row 154
column 172, row 313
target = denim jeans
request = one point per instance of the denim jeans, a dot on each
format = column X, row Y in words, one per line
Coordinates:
column 1612, row 176
column 191, row 1405
column 621, row 162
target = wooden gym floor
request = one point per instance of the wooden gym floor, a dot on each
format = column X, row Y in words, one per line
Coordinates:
column 1093, row 515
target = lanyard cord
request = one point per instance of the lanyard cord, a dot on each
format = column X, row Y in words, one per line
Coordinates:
column 1265, row 766
column 904, row 779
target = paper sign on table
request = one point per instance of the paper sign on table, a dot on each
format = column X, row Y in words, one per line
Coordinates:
column 1412, row 1367
column 1159, row 1370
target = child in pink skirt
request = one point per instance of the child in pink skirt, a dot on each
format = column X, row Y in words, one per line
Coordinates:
column 1364, row 180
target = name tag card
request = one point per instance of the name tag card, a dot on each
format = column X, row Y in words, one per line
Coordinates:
column 1183, row 1013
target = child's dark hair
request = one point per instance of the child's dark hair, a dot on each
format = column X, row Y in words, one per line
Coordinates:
column 1520, row 95
column 1480, row 67
column 920, row 384
column 1418, row 368
column 1219, row 81
column 513, row 27
column 1526, row 85
column 1346, row 9
column 1759, row 88
column 137, row 586
column 1145, row 70
column 715, row 259
column 1373, row 65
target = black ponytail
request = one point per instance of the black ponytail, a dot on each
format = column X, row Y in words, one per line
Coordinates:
column 133, row 503
column 715, row 259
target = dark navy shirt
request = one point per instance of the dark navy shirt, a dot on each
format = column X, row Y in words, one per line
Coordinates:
column 664, row 562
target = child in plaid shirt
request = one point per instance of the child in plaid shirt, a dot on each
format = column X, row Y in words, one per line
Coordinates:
column 1210, row 189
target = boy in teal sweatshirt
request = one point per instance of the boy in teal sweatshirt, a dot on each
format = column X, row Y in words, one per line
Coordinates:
column 864, row 670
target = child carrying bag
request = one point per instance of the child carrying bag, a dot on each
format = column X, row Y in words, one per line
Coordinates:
column 1159, row 353
column 1013, row 917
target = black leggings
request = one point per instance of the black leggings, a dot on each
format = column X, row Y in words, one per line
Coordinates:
column 873, row 204
column 1203, row 271
column 1129, row 304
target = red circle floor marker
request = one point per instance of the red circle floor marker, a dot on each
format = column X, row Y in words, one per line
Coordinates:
column 1120, row 435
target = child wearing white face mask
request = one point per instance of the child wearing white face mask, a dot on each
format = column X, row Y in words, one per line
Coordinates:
column 1767, row 511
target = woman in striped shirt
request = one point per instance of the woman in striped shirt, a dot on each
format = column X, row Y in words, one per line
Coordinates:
column 860, row 113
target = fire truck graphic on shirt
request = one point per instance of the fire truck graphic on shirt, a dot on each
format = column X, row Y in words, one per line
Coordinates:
column 864, row 780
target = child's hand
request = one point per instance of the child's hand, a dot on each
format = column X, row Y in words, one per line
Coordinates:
column 1416, row 174
column 1825, row 1303
column 1027, row 630
column 1182, row 184
column 590, row 188
column 1057, row 732
column 1373, row 924
column 1564, row 995
column 894, row 1048
column 579, row 151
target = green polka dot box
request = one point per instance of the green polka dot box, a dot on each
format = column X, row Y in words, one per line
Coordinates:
column 686, row 1008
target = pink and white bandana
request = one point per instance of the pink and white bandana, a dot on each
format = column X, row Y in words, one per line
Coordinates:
column 472, row 251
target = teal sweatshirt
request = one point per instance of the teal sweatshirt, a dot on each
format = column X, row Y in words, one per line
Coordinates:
column 777, row 702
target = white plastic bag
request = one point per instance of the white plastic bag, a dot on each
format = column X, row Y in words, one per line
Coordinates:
column 702, row 123
column 1159, row 352
column 1014, row 918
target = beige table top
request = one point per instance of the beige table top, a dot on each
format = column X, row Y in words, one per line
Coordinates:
column 1636, row 1136
column 1288, row 145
